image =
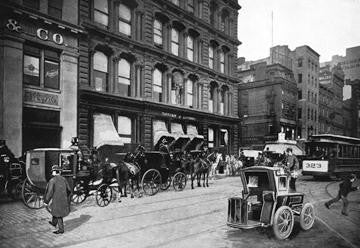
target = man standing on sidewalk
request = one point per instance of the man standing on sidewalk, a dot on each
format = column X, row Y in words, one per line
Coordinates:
column 344, row 188
column 58, row 190
column 292, row 163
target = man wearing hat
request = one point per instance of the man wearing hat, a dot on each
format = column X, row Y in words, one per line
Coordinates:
column 57, row 190
column 344, row 189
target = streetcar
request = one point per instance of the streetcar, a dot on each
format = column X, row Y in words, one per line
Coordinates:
column 330, row 155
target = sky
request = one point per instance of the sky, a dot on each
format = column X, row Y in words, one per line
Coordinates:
column 327, row 26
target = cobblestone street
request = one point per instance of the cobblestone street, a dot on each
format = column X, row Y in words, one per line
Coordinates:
column 176, row 219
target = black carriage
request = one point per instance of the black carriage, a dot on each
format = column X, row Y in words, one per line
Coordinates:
column 12, row 172
column 267, row 202
column 38, row 171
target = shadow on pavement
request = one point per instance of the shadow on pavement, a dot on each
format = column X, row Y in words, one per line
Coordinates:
column 75, row 223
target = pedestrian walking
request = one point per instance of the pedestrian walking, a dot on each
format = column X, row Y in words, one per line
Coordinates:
column 344, row 189
column 58, row 192
column 292, row 164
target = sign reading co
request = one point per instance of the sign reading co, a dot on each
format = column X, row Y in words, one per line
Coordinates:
column 41, row 33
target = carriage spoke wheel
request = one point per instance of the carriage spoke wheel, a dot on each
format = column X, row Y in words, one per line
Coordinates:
column 283, row 222
column 179, row 181
column 307, row 216
column 79, row 193
column 151, row 182
column 103, row 195
column 165, row 185
column 32, row 196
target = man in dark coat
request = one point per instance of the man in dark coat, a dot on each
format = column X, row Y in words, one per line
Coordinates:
column 292, row 164
column 58, row 190
column 344, row 189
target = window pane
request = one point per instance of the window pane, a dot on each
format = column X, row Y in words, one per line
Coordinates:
column 51, row 76
column 157, row 32
column 124, row 125
column 211, row 106
column 31, row 70
column 124, row 68
column 158, row 39
column 157, row 77
column 210, row 134
column 190, row 42
column 101, row 5
column 174, row 49
column 124, row 12
column 100, row 62
column 190, row 54
column 100, row 80
column 122, row 80
column 174, row 35
column 101, row 18
column 124, row 28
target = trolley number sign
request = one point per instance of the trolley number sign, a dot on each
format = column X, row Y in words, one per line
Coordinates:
column 317, row 166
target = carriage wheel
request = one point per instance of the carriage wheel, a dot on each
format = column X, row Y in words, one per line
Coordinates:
column 79, row 193
column 166, row 185
column 283, row 222
column 307, row 216
column 151, row 182
column 179, row 181
column 103, row 195
column 32, row 196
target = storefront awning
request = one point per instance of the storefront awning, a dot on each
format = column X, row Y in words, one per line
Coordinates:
column 160, row 131
column 105, row 132
column 196, row 140
column 181, row 139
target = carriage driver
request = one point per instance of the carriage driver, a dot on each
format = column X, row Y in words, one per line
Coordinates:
column 292, row 164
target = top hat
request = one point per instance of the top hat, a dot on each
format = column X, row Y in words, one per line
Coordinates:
column 56, row 168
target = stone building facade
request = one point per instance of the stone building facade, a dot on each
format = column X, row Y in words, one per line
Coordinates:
column 331, row 110
column 38, row 73
column 148, row 68
column 268, row 100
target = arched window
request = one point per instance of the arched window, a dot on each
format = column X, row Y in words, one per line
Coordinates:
column 100, row 71
column 124, row 19
column 222, row 101
column 224, row 21
column 190, row 48
column 189, row 92
column 212, row 97
column 101, row 12
column 157, row 85
column 175, row 41
column 158, row 32
column 124, row 72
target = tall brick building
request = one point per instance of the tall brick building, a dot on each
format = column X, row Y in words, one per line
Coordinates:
column 154, row 68
column 38, row 73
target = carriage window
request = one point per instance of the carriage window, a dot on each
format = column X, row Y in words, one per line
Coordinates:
column 257, row 180
column 282, row 183
column 67, row 161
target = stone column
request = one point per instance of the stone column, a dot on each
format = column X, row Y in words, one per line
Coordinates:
column 69, row 97
column 11, row 92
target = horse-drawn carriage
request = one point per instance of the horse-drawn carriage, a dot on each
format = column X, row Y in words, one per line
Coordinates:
column 12, row 172
column 267, row 202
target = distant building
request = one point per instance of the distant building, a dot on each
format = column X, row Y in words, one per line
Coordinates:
column 268, row 103
column 350, row 63
column 331, row 100
column 355, row 84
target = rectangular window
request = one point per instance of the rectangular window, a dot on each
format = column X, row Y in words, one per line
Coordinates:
column 125, row 129
column 101, row 12
column 211, row 57
column 158, row 32
column 299, row 94
column 190, row 48
column 222, row 62
column 190, row 6
column 32, row 4
column 211, row 140
column 51, row 74
column 31, row 70
column 189, row 93
column 174, row 42
column 300, row 62
column 300, row 78
column 157, row 85
column 124, row 19
column 299, row 113
column 199, row 95
column 55, row 8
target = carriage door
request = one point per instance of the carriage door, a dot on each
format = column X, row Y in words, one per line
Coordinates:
column 41, row 128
